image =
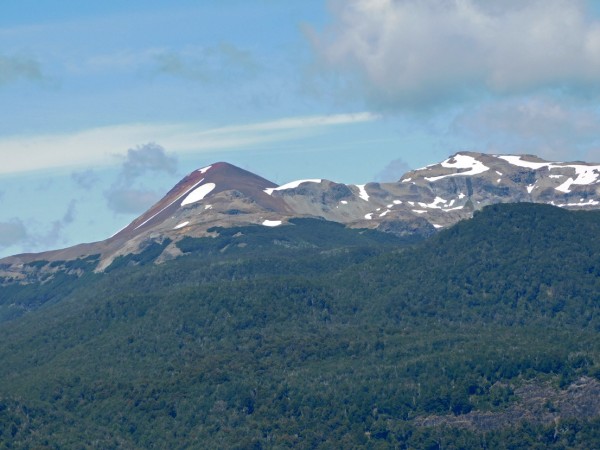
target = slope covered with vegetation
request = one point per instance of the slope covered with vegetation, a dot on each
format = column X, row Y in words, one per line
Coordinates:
column 316, row 336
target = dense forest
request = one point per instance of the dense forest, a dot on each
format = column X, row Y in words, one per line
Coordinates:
column 313, row 335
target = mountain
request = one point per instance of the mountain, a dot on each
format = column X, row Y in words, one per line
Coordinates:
column 421, row 202
column 316, row 335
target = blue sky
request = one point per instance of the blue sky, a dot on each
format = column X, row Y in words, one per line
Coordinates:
column 106, row 105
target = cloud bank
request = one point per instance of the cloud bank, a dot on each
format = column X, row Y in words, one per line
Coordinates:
column 409, row 54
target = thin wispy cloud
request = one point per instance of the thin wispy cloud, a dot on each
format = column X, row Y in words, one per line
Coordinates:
column 99, row 146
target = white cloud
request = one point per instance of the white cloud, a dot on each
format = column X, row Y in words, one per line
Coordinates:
column 98, row 146
column 538, row 125
column 410, row 54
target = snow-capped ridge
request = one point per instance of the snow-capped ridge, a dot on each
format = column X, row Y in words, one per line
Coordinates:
column 291, row 185
column 471, row 166
column 221, row 195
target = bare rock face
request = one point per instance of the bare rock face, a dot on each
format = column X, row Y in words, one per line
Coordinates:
column 537, row 402
column 421, row 202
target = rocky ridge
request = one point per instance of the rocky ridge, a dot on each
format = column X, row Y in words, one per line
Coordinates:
column 421, row 202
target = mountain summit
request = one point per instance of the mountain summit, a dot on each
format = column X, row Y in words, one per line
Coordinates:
column 423, row 200
column 217, row 181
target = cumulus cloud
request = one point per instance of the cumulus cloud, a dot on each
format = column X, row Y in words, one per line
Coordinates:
column 13, row 68
column 12, row 232
column 85, row 179
column 123, row 197
column 147, row 158
column 415, row 54
column 393, row 171
column 539, row 125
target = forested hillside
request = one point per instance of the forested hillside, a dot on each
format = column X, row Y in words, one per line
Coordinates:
column 313, row 335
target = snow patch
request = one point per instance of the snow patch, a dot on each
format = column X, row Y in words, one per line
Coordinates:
column 204, row 169
column 419, row 211
column 292, row 185
column 565, row 186
column 114, row 234
column 344, row 202
column 271, row 223
column 397, row 202
column 585, row 174
column 181, row 225
column 362, row 192
column 156, row 214
column 590, row 202
column 198, row 194
column 435, row 225
column 369, row 216
column 460, row 161
column 461, row 196
column 436, row 202
column 207, row 206
column 555, row 176
column 516, row 160
column 406, row 180
column 530, row 188
column 385, row 212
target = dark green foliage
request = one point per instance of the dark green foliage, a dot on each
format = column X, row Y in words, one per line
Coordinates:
column 333, row 338
column 37, row 264
column 301, row 234
column 16, row 299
